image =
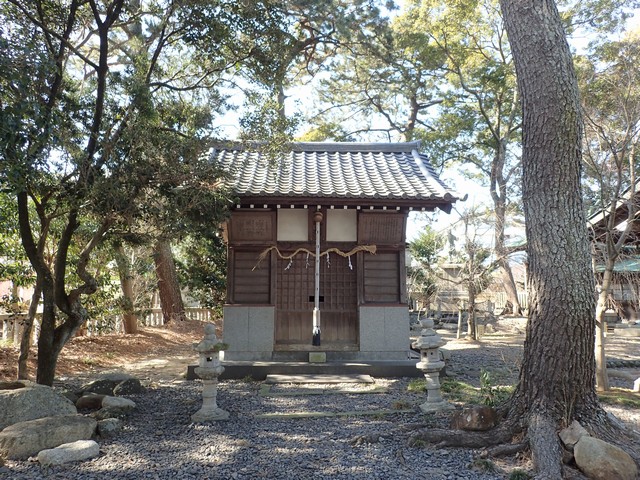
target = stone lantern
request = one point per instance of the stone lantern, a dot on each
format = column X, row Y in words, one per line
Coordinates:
column 431, row 363
column 209, row 369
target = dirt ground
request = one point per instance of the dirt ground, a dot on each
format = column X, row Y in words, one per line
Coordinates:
column 167, row 349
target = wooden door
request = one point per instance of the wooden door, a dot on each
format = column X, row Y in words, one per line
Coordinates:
column 295, row 301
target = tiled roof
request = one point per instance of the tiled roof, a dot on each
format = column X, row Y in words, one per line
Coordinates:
column 374, row 172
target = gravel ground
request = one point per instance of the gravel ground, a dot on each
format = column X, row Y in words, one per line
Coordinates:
column 159, row 441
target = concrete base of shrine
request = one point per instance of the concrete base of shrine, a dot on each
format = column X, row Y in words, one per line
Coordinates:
column 260, row 370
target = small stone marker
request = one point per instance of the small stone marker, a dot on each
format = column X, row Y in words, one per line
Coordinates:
column 477, row 418
column 636, row 385
column 317, row 357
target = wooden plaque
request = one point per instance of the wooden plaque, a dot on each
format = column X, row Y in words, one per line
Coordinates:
column 252, row 227
column 381, row 228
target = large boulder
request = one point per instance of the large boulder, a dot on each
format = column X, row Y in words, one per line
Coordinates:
column 26, row 400
column 109, row 427
column 90, row 401
column 128, row 387
column 102, row 386
column 108, row 382
column 117, row 402
column 69, row 452
column 24, row 439
column 600, row 460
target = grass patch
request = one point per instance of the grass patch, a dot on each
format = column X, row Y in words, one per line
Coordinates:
column 490, row 393
column 418, row 443
column 484, row 465
column 90, row 362
column 518, row 474
column 417, row 385
column 624, row 398
column 460, row 392
column 401, row 405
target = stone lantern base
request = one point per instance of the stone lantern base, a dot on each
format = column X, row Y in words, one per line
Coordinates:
column 209, row 415
column 437, row 406
column 210, row 411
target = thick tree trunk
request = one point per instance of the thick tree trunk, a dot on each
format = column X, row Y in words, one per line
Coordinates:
column 47, row 356
column 560, row 276
column 557, row 379
column 129, row 318
column 168, row 287
column 25, row 342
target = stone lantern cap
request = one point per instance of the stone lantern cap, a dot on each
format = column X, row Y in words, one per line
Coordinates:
column 210, row 342
column 428, row 338
column 424, row 343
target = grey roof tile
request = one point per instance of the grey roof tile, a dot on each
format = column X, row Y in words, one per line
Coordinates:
column 367, row 171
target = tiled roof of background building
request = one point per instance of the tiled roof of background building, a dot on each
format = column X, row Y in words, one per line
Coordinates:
column 366, row 171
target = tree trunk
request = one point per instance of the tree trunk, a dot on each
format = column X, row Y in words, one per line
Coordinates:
column 25, row 342
column 557, row 379
column 602, row 378
column 168, row 287
column 498, row 195
column 471, row 319
column 513, row 302
column 129, row 318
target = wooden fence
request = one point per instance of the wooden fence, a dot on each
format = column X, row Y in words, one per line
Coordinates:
column 12, row 325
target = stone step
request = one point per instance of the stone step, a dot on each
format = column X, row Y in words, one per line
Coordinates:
column 314, row 378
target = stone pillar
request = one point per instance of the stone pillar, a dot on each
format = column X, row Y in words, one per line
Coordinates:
column 209, row 370
column 430, row 363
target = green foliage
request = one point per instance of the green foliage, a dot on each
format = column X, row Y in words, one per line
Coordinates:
column 460, row 392
column 487, row 394
column 518, row 474
column 422, row 284
column 417, row 385
column 265, row 121
column 492, row 395
column 329, row 131
column 597, row 16
column 609, row 76
column 201, row 268
column 418, row 443
column 483, row 465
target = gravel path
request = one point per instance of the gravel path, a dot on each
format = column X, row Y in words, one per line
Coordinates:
column 159, row 441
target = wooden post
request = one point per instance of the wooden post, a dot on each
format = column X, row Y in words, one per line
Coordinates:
column 317, row 218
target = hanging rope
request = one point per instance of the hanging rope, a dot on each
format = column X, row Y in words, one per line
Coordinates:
column 360, row 248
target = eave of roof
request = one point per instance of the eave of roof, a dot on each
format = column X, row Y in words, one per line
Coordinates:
column 358, row 174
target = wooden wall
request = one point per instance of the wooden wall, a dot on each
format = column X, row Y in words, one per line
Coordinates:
column 379, row 278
